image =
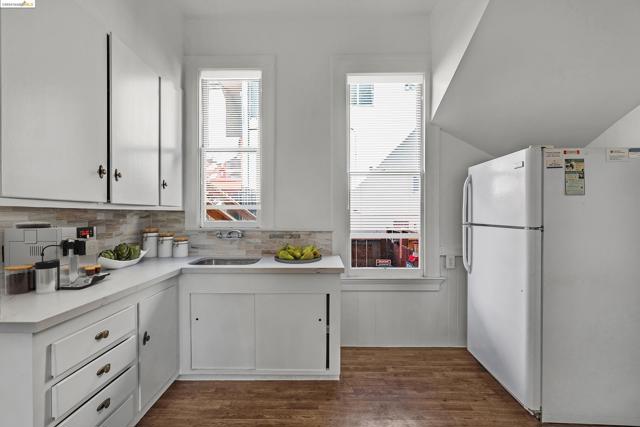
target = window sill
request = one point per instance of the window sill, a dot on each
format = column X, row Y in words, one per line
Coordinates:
column 425, row 284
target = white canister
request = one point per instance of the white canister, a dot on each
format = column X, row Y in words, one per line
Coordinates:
column 180, row 247
column 165, row 245
column 150, row 242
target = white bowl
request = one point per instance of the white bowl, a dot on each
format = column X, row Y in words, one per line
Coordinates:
column 113, row 264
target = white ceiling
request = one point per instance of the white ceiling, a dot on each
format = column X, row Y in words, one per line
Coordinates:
column 207, row 8
column 545, row 72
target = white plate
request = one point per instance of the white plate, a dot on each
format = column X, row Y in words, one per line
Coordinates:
column 113, row 264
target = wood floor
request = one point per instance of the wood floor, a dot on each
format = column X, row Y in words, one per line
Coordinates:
column 380, row 387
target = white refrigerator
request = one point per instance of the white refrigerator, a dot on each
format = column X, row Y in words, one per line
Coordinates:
column 551, row 244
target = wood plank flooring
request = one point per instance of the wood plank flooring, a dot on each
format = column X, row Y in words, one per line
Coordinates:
column 380, row 387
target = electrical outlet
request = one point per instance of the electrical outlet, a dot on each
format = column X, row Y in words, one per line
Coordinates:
column 450, row 262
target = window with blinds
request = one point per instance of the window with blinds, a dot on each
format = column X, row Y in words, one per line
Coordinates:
column 385, row 170
column 230, row 140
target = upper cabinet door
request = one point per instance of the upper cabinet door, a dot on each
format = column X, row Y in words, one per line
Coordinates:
column 134, row 124
column 54, row 103
column 170, row 144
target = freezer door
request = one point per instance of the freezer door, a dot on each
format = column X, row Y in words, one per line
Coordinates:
column 591, row 319
column 503, row 303
column 505, row 191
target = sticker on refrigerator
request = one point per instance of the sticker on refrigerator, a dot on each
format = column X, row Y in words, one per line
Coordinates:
column 634, row 153
column 574, row 177
column 617, row 154
column 553, row 158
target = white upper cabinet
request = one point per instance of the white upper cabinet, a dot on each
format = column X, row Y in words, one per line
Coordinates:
column 54, row 103
column 170, row 144
column 134, row 113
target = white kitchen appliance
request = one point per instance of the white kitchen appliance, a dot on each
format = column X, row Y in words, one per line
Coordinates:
column 551, row 244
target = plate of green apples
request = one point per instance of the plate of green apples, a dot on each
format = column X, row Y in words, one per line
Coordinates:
column 290, row 254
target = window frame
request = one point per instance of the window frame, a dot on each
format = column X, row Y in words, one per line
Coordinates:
column 192, row 189
column 380, row 272
column 204, row 222
column 429, row 271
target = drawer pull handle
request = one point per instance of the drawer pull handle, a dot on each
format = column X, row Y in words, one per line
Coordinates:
column 104, row 405
column 104, row 370
column 102, row 334
column 146, row 338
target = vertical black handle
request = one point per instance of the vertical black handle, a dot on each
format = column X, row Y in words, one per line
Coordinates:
column 117, row 175
column 146, row 338
column 101, row 171
column 164, row 184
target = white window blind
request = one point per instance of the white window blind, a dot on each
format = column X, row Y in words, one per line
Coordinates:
column 230, row 135
column 385, row 170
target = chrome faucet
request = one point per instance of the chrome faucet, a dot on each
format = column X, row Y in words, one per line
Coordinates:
column 230, row 235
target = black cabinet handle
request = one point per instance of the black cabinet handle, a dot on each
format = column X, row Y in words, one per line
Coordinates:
column 104, row 405
column 117, row 175
column 101, row 171
column 146, row 338
column 102, row 334
column 164, row 184
column 104, row 370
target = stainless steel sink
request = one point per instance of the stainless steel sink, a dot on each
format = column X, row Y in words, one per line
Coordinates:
column 225, row 261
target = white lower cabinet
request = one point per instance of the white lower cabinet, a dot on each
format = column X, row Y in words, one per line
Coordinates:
column 122, row 416
column 73, row 389
column 274, row 326
column 291, row 331
column 223, row 331
column 158, row 342
column 104, row 403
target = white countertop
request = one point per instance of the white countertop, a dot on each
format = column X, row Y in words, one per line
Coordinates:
column 33, row 312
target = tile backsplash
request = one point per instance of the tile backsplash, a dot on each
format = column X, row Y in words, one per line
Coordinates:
column 115, row 226
column 254, row 243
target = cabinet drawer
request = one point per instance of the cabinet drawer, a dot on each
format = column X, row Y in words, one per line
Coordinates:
column 122, row 416
column 73, row 349
column 105, row 403
column 68, row 392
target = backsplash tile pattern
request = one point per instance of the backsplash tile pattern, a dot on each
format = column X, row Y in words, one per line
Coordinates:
column 254, row 243
column 112, row 226
column 115, row 226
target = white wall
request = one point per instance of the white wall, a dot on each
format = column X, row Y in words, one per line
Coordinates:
column 151, row 28
column 303, row 48
column 623, row 133
column 455, row 157
column 453, row 23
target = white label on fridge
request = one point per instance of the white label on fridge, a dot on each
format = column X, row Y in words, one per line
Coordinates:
column 574, row 177
column 617, row 154
column 553, row 158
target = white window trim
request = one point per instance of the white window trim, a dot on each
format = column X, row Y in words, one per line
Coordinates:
column 341, row 66
column 194, row 65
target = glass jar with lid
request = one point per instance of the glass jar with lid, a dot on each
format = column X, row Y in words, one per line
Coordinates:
column 18, row 279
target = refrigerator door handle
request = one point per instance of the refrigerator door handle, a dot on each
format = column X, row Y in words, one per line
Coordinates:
column 466, row 232
column 465, row 200
column 470, row 249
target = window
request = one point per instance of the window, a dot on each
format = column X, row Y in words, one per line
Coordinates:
column 361, row 94
column 230, row 145
column 385, row 171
